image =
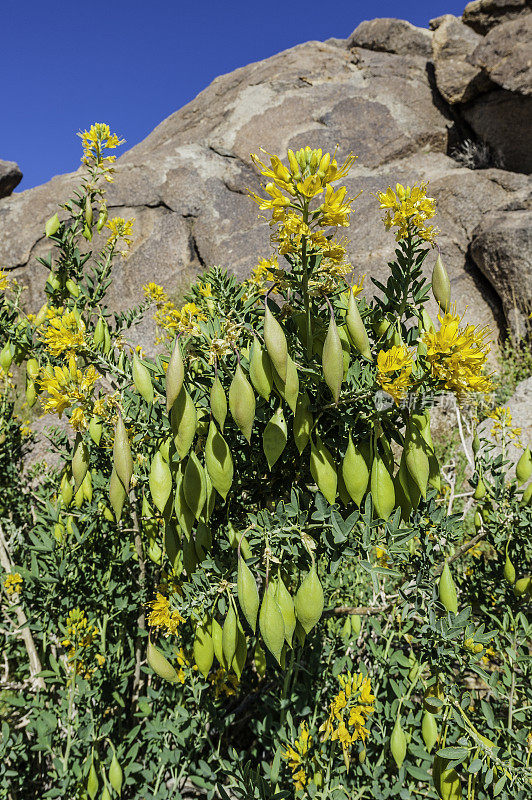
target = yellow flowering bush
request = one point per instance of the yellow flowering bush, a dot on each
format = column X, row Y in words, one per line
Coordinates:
column 243, row 572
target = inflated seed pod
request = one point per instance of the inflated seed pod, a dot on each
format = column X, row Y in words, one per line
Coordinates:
column 218, row 461
column 271, row 623
column 184, row 515
column 288, row 389
column 117, row 494
column 447, row 590
column 248, row 595
column 160, row 481
column 355, row 472
column 260, row 370
column 343, row 494
column 382, row 488
column 416, row 458
column 116, row 776
column 175, row 375
column 356, row 624
column 523, row 468
column 526, row 499
column 184, row 422
column 286, row 604
column 480, row 490
column 450, row 785
column 242, row 402
column 333, row 360
column 79, row 497
column 160, row 664
column 522, row 586
column 241, row 652
column 32, row 368
column 80, row 462
column 31, row 393
column 441, row 285
column 477, row 521
column 303, row 422
column 309, row 600
column 142, row 379
column 86, row 487
column 122, row 459
column 6, row 356
column 96, row 430
column 172, row 545
column 202, row 540
column 52, row 226
column 92, row 780
column 230, row 635
column 210, row 501
column 439, row 764
column 398, row 743
column 218, row 402
column 66, row 489
column 429, row 730
column 105, row 795
column 275, row 342
column 274, row 437
column 426, row 321
column 194, row 485
column 323, row 469
column 203, row 650
column 189, row 556
column 509, row 570
column 475, row 444
column 216, row 633
column 356, row 328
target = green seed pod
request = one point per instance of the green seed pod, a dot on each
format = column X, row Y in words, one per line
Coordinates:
column 480, row 490
column 303, row 422
column 172, row 545
column 184, row 422
column 66, row 489
column 117, row 494
column 346, row 347
column 160, row 664
column 346, row 629
column 248, row 595
column 32, row 368
column 429, row 730
column 31, row 393
column 160, row 480
column 142, row 379
column 164, row 450
column 323, row 470
column 475, row 444
column 188, row 550
column 80, row 462
column 509, row 570
column 260, row 370
column 242, row 402
column 333, row 360
column 343, row 494
column 210, row 501
column 289, row 389
column 275, row 342
column 218, row 402
column 175, row 375
column 99, row 332
column 92, row 780
column 356, row 624
column 202, row 541
column 439, row 764
column 426, row 322
column 6, row 356
column 216, row 633
column 382, row 488
column 356, row 327
column 79, row 497
column 241, row 652
column 88, row 213
column 203, row 650
column 523, row 469
column 106, row 338
column 116, row 775
column 416, row 458
column 441, row 285
column 447, row 590
column 218, row 461
column 450, row 785
column 59, row 532
column 522, row 586
column 52, row 226
column 185, row 516
column 86, row 487
column 398, row 743
column 102, row 218
column 122, row 459
column 230, row 635
column 309, row 600
column 286, row 604
column 271, row 623
column 355, row 472
column 477, row 521
column 72, row 287
column 194, row 485
column 259, row 659
column 526, row 499
column 96, row 430
column 274, row 437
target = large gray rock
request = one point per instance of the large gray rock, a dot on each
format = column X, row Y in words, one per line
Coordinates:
column 186, row 183
column 388, row 35
column 10, row 177
column 501, row 248
column 483, row 15
column 505, row 55
column 503, row 120
column 457, row 78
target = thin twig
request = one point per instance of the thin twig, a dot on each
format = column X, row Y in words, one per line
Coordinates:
column 141, row 619
column 462, row 439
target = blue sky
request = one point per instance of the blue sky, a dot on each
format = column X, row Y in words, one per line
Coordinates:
column 64, row 65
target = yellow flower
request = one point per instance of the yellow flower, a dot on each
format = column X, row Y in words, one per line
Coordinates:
column 457, row 356
column 408, row 209
column 348, row 713
column 205, row 289
column 394, row 368
column 163, row 616
column 4, row 281
column 335, row 210
column 121, row 229
column 13, row 583
column 155, row 293
column 503, row 426
column 65, row 332
column 68, row 386
column 296, row 755
column 96, row 141
column 223, row 683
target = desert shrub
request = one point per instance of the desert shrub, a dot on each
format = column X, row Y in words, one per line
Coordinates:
column 242, row 579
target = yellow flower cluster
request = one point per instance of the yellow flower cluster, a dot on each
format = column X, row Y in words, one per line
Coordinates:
column 80, row 636
column 121, row 232
column 13, row 583
column 169, row 318
column 349, row 711
column 296, row 754
column 4, row 281
column 223, row 682
column 457, row 355
column 408, row 209
column 503, row 426
column 65, row 332
column 96, row 141
column 163, row 616
column 69, row 386
column 394, row 368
